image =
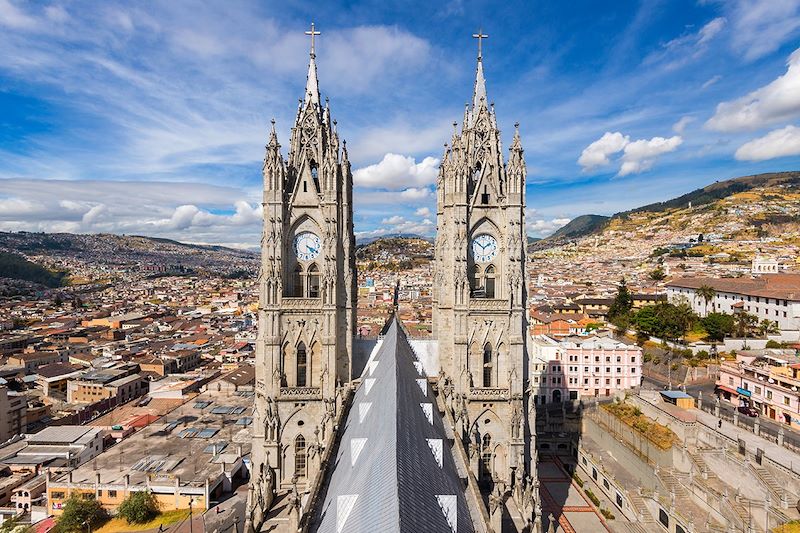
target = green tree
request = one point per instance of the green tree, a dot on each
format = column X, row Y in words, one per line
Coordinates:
column 657, row 275
column 619, row 311
column 745, row 322
column 768, row 327
column 78, row 512
column 707, row 293
column 139, row 507
column 718, row 326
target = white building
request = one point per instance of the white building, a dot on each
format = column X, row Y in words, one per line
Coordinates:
column 773, row 297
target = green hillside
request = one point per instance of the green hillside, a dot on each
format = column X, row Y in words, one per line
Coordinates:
column 17, row 267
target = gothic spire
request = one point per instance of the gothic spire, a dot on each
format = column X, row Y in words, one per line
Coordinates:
column 273, row 137
column 479, row 94
column 312, row 85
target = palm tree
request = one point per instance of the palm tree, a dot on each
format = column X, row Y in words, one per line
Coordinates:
column 707, row 293
column 744, row 323
column 768, row 327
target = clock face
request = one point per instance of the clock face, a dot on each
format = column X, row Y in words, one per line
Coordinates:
column 306, row 246
column 484, row 248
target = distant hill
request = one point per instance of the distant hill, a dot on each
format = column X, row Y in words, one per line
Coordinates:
column 366, row 240
column 15, row 266
column 591, row 224
column 580, row 226
column 131, row 251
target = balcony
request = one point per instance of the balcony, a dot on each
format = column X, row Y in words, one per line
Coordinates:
column 288, row 302
column 488, row 304
column 488, row 393
column 300, row 393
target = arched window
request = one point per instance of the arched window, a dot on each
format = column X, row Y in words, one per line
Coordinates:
column 302, row 365
column 485, row 196
column 489, row 281
column 476, row 282
column 300, row 456
column 296, row 287
column 488, row 365
column 315, row 174
column 476, row 174
column 312, row 283
column 486, row 458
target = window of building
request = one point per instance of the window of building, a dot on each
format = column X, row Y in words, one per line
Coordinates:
column 112, row 494
column 57, row 495
column 769, row 395
column 785, row 400
column 296, row 286
column 300, row 456
column 486, row 458
column 302, row 365
column 313, row 281
column 488, row 365
column 730, row 381
column 490, row 272
column 758, row 389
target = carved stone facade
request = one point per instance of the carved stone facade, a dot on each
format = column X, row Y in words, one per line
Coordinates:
column 479, row 294
column 307, row 301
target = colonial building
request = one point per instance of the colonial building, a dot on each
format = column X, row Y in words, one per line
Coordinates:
column 480, row 294
column 307, row 299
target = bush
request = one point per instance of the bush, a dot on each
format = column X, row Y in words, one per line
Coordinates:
column 595, row 499
column 139, row 507
column 607, row 514
column 78, row 511
column 702, row 354
column 774, row 344
column 577, row 479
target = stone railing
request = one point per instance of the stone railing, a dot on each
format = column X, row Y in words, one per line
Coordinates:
column 488, row 393
column 487, row 304
column 300, row 393
column 299, row 303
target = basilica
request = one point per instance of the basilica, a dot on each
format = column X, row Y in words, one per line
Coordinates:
column 395, row 433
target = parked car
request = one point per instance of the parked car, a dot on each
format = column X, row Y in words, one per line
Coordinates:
column 746, row 410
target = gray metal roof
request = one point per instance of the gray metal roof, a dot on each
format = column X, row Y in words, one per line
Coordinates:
column 394, row 471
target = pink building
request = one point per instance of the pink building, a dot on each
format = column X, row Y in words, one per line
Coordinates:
column 580, row 366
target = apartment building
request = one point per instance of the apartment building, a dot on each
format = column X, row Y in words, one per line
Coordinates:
column 581, row 366
column 13, row 413
column 768, row 380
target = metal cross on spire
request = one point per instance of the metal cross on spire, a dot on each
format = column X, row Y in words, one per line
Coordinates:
column 312, row 33
column 480, row 36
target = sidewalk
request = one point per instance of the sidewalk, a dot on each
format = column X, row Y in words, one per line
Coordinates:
column 779, row 454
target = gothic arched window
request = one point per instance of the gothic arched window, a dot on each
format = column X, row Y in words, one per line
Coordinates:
column 300, row 456
column 312, row 283
column 476, row 282
column 302, row 365
column 315, row 174
column 296, row 286
column 488, row 365
column 489, row 281
column 476, row 174
column 486, row 458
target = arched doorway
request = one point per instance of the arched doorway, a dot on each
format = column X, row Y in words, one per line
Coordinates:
column 557, row 396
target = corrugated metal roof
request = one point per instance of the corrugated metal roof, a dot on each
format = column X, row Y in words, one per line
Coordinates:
column 394, row 471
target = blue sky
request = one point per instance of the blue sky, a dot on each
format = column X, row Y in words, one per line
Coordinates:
column 151, row 117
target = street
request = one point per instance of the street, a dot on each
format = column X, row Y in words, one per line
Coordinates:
column 768, row 427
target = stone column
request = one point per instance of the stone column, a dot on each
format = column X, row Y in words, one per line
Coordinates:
column 736, row 418
column 700, row 400
column 716, row 407
column 780, row 436
column 757, row 426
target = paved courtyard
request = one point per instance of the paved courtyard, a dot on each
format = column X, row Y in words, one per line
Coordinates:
column 562, row 498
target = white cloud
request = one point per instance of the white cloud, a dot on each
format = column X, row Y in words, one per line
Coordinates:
column 680, row 126
column 596, row 154
column 776, row 102
column 640, row 155
column 637, row 156
column 397, row 172
column 397, row 219
column 423, row 212
column 543, row 227
column 762, row 26
column 710, row 30
column 777, row 143
column 13, row 17
column 711, row 81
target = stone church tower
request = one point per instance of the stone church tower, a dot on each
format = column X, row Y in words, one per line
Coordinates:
column 479, row 292
column 307, row 301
